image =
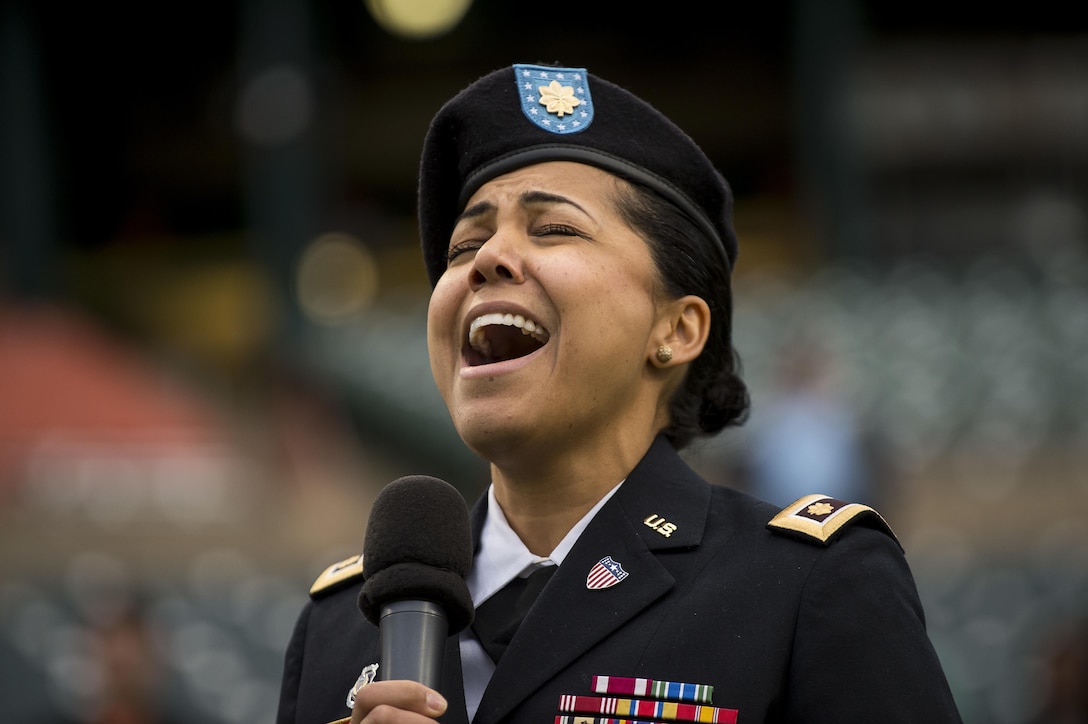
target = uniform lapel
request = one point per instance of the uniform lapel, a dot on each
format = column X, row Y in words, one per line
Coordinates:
column 453, row 687
column 569, row 618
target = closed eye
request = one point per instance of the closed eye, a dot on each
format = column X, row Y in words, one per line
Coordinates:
column 557, row 230
column 463, row 247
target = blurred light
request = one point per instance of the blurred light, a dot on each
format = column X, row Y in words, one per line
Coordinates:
column 418, row 19
column 275, row 107
column 337, row 279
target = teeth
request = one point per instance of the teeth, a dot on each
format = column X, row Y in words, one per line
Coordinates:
column 527, row 326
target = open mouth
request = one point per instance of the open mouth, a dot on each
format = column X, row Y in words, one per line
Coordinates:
column 500, row 337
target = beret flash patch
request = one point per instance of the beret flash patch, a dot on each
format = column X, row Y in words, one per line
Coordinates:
column 337, row 575
column 820, row 518
column 554, row 99
column 521, row 115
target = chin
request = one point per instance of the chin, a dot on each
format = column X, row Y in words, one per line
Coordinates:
column 493, row 439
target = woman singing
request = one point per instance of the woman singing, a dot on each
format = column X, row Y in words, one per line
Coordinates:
column 580, row 248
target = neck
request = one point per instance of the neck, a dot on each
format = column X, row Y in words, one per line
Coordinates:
column 543, row 499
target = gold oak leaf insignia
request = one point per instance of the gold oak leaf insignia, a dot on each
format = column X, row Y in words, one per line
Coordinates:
column 820, row 509
column 558, row 99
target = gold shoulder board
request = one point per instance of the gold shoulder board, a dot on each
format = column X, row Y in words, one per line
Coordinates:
column 821, row 518
column 336, row 575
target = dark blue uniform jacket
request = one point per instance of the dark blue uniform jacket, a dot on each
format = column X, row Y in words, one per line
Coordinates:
column 785, row 626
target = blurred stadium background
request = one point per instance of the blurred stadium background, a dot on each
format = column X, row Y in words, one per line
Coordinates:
column 212, row 351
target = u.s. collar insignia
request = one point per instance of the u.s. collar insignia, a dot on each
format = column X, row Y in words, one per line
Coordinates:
column 555, row 99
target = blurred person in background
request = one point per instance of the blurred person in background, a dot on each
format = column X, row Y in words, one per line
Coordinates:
column 580, row 248
column 1065, row 675
column 807, row 437
column 128, row 671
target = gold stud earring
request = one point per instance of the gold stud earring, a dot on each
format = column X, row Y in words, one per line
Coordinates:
column 664, row 353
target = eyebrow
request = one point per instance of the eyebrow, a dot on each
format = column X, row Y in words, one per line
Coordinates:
column 527, row 198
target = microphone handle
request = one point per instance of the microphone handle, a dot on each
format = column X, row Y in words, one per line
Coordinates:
column 413, row 641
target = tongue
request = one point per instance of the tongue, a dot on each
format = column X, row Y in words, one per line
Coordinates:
column 509, row 343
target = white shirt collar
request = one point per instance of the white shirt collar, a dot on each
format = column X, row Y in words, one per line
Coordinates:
column 502, row 556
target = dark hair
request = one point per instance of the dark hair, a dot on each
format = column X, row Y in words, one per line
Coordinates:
column 713, row 396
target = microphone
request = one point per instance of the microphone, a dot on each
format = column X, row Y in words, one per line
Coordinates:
column 416, row 554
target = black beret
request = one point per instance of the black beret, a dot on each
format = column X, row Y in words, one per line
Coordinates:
column 525, row 114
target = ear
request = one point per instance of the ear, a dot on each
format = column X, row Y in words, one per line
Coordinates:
column 683, row 325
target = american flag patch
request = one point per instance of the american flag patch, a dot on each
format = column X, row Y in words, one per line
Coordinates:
column 605, row 573
column 670, row 690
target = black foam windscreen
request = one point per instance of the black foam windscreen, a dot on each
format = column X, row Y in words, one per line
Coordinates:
column 418, row 546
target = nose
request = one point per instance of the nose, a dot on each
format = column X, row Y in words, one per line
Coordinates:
column 499, row 259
